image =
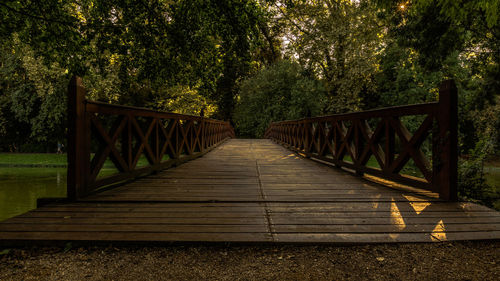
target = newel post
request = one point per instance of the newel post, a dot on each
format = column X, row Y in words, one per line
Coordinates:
column 446, row 150
column 76, row 139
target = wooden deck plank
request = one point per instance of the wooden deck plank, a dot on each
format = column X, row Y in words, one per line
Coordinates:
column 135, row 214
column 134, row 236
column 396, row 220
column 255, row 191
column 160, row 228
column 413, row 228
column 119, row 212
column 118, row 220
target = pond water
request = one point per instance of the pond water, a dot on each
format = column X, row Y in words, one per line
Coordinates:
column 21, row 187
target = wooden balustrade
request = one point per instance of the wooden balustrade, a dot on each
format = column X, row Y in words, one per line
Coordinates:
column 100, row 131
column 350, row 140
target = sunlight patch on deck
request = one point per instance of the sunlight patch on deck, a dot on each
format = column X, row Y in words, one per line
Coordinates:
column 439, row 232
column 417, row 206
column 396, row 217
column 375, row 202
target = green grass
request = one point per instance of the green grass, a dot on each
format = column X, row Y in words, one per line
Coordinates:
column 40, row 159
column 48, row 159
column 493, row 176
column 409, row 169
column 372, row 162
column 492, row 171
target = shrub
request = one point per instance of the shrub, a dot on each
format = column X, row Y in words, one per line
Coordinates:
column 471, row 177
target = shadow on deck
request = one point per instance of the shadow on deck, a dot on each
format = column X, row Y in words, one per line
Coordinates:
column 255, row 191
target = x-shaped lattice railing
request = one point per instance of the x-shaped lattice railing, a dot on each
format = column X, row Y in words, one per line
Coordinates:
column 347, row 140
column 100, row 131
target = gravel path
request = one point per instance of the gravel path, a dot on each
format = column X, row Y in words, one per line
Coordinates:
column 440, row 261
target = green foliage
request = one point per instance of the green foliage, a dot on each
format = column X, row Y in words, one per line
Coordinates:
column 338, row 41
column 279, row 92
column 471, row 177
column 184, row 100
column 402, row 80
column 461, row 10
column 128, row 52
column 471, row 180
column 3, row 124
column 32, row 92
column 104, row 84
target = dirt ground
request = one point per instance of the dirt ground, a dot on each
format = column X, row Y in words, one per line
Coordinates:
column 440, row 261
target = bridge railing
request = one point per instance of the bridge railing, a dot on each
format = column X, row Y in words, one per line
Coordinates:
column 109, row 143
column 376, row 142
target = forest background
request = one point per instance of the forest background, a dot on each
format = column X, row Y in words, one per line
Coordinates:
column 252, row 62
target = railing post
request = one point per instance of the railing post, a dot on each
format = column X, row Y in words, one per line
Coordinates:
column 202, row 136
column 76, row 139
column 357, row 145
column 390, row 140
column 307, row 138
column 127, row 143
column 446, row 150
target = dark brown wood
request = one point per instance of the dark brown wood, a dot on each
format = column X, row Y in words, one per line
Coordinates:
column 254, row 191
column 394, row 111
column 446, row 158
column 350, row 141
column 77, row 137
column 140, row 131
column 389, row 144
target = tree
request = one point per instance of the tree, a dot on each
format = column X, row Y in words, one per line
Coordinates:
column 135, row 52
column 282, row 91
column 337, row 41
column 33, row 96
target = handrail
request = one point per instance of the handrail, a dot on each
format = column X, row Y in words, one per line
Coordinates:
column 98, row 131
column 335, row 138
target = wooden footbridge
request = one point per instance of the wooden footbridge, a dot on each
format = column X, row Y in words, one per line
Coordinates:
column 335, row 181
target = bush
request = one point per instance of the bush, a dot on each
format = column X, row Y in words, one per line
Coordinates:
column 282, row 91
column 471, row 180
column 471, row 177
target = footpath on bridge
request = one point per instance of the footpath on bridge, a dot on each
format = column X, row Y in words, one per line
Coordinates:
column 254, row 191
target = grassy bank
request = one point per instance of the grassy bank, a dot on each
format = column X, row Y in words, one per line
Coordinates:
column 492, row 174
column 47, row 160
column 492, row 171
column 32, row 159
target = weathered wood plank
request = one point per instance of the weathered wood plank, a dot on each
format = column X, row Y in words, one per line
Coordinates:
column 380, row 228
column 137, row 221
column 396, row 220
column 255, row 191
column 137, row 214
column 134, row 236
column 160, row 228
